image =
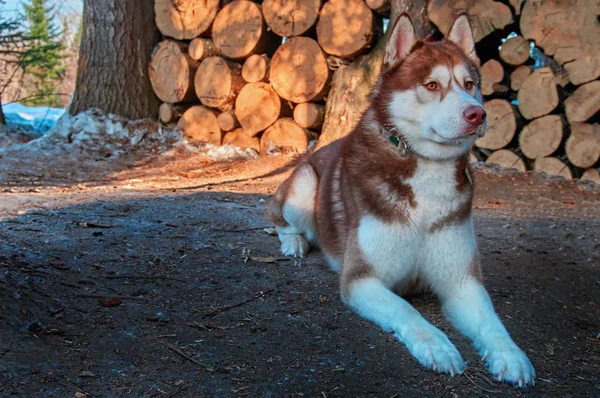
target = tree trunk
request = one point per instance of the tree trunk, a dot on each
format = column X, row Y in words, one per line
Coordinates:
column 352, row 84
column 115, row 52
column 2, row 118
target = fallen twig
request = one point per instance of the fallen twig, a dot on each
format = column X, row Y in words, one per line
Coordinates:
column 478, row 386
column 229, row 307
column 144, row 277
column 108, row 296
column 189, row 358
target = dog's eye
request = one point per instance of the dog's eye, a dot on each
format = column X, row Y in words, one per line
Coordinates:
column 469, row 85
column 432, row 86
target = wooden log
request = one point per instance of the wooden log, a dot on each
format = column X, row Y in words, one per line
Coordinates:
column 169, row 113
column 345, row 28
column 290, row 17
column 485, row 15
column 518, row 76
column 200, row 123
column 217, row 82
column 299, row 71
column 171, row 72
column 553, row 166
column 541, row 137
column 515, row 51
column 492, row 73
column 309, row 115
column 517, row 5
column 379, row 6
column 257, row 107
column 239, row 30
column 583, row 103
column 239, row 138
column 591, row 175
column 227, row 120
column 583, row 145
column 568, row 31
column 256, row 68
column 538, row 95
column 184, row 19
column 352, row 84
column 501, row 126
column 506, row 159
column 200, row 48
column 285, row 135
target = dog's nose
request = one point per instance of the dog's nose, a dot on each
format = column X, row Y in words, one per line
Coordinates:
column 474, row 115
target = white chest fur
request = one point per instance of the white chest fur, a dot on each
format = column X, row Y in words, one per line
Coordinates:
column 398, row 250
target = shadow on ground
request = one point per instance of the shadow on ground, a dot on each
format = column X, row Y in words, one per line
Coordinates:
column 187, row 270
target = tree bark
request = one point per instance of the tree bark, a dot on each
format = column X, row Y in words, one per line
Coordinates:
column 115, row 52
column 352, row 84
column 2, row 118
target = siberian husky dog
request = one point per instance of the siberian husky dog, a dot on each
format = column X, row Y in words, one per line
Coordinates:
column 390, row 204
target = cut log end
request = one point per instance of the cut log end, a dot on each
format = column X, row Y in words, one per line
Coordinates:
column 290, row 17
column 202, row 48
column 501, row 127
column 583, row 145
column 553, row 166
column 256, row 68
column 169, row 113
column 345, row 27
column 184, row 19
column 227, row 120
column 257, row 107
column 506, row 159
column 200, row 123
column 171, row 72
column 583, row 103
column 542, row 137
column 299, row 70
column 309, row 115
column 518, row 76
column 237, row 137
column 515, row 51
column 591, row 175
column 285, row 135
column 379, row 6
column 492, row 73
column 538, row 95
column 218, row 82
column 239, row 30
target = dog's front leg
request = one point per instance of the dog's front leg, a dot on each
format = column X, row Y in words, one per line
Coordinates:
column 371, row 299
column 469, row 308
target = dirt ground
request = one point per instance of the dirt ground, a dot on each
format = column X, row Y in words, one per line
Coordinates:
column 159, row 281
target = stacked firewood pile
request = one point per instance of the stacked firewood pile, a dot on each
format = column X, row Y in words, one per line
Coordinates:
column 258, row 73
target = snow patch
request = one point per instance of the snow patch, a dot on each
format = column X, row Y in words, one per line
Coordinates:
column 214, row 152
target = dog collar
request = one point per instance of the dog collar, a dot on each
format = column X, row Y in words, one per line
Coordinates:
column 397, row 140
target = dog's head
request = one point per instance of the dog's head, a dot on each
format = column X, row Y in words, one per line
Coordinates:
column 430, row 91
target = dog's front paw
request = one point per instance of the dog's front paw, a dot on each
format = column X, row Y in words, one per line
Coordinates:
column 432, row 349
column 293, row 245
column 508, row 363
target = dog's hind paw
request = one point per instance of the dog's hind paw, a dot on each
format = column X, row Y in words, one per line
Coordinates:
column 508, row 363
column 293, row 245
column 431, row 347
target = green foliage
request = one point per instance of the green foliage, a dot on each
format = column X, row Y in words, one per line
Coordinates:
column 42, row 58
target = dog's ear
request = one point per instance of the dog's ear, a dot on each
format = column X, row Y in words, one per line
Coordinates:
column 400, row 41
column 462, row 34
